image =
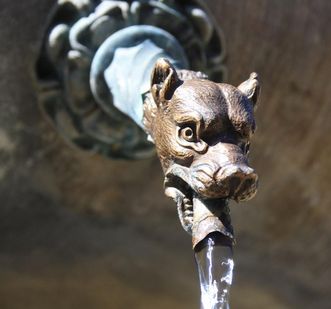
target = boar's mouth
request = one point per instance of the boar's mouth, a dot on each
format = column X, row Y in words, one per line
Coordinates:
column 181, row 185
column 233, row 181
column 178, row 187
column 180, row 191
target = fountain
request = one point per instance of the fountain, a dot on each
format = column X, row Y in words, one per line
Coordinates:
column 215, row 266
column 123, row 78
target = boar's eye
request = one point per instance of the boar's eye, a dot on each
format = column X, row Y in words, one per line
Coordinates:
column 188, row 134
column 188, row 137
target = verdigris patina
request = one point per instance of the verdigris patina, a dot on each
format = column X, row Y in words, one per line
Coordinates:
column 77, row 75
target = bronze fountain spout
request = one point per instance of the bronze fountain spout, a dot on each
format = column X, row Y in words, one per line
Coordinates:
column 117, row 77
column 201, row 130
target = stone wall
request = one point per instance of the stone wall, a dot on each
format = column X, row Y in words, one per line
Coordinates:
column 81, row 231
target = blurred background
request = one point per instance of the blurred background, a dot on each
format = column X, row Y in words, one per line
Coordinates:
column 82, row 231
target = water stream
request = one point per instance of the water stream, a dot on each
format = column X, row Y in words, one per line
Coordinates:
column 215, row 267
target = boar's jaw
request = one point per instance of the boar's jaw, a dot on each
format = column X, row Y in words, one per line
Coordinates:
column 199, row 216
column 178, row 186
column 199, row 212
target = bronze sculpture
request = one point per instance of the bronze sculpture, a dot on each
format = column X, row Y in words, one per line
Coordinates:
column 95, row 72
column 201, row 131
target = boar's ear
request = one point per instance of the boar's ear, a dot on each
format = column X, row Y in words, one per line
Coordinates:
column 251, row 88
column 164, row 81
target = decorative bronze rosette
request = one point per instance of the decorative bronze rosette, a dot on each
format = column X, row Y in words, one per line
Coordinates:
column 77, row 30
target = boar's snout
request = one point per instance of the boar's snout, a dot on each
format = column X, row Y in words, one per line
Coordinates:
column 223, row 178
column 240, row 181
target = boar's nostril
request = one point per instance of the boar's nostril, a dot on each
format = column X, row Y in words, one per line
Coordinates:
column 247, row 183
column 234, row 183
column 237, row 179
column 247, row 189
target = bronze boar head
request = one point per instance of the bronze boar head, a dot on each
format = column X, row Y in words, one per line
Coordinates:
column 201, row 130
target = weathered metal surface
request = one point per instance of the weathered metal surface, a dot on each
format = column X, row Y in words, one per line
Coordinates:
column 73, row 88
column 123, row 65
column 69, row 228
column 201, row 130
